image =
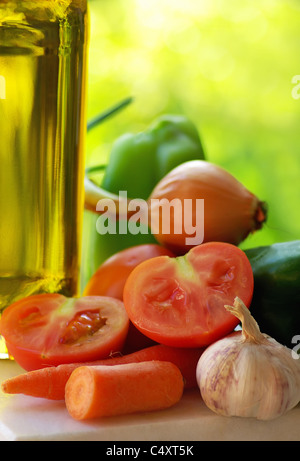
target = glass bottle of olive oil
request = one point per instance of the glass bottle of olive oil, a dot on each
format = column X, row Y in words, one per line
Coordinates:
column 42, row 125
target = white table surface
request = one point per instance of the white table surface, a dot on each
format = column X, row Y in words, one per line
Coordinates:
column 24, row 418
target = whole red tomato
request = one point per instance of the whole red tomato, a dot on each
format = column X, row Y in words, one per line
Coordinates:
column 110, row 279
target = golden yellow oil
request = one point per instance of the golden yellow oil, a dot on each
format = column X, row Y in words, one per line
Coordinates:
column 42, row 124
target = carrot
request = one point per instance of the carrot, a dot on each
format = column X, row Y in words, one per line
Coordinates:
column 50, row 382
column 99, row 391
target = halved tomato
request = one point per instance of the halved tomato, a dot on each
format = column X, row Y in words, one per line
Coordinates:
column 180, row 301
column 50, row 329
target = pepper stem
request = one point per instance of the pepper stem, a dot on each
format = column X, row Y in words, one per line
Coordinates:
column 250, row 328
column 93, row 194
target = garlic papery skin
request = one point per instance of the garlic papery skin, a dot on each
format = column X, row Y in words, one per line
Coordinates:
column 248, row 374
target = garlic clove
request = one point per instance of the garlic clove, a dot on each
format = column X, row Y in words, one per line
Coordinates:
column 248, row 374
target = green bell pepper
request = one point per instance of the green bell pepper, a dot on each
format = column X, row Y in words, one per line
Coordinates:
column 138, row 161
column 276, row 299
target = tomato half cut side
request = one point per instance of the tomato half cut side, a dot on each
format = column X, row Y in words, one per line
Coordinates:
column 50, row 329
column 180, row 301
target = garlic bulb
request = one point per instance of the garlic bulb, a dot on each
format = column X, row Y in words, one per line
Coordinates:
column 248, row 373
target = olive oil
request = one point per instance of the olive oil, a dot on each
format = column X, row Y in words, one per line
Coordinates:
column 42, row 124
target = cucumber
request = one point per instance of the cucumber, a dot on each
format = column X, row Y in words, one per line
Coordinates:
column 276, row 299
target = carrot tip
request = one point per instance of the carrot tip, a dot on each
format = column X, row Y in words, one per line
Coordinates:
column 4, row 387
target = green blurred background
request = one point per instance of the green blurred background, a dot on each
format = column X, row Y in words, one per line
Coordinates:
column 227, row 65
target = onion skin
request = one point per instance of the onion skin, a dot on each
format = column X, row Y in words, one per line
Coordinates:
column 231, row 212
